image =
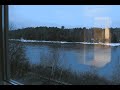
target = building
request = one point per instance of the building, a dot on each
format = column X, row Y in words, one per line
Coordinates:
column 97, row 34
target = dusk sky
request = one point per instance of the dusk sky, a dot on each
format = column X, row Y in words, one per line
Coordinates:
column 63, row 15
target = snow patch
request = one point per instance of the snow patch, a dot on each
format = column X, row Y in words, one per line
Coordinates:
column 63, row 42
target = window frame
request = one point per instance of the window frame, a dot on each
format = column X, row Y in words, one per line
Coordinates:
column 1, row 53
column 4, row 62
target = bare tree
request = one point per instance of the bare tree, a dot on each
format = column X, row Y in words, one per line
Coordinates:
column 19, row 65
column 11, row 26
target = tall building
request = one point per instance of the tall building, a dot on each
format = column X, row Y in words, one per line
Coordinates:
column 98, row 35
column 102, row 35
column 107, row 35
column 107, row 32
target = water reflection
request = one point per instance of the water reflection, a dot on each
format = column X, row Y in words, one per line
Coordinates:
column 95, row 55
column 102, row 55
column 69, row 54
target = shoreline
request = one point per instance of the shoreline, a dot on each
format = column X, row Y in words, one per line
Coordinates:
column 63, row 42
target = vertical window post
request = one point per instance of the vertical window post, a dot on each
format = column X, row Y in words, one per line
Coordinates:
column 5, row 39
column 1, row 44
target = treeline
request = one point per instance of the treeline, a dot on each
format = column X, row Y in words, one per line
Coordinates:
column 61, row 34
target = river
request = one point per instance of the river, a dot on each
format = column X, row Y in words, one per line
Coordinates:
column 78, row 57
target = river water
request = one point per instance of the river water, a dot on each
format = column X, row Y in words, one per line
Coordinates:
column 78, row 57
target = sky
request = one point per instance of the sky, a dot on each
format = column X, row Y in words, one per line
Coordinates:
column 70, row 16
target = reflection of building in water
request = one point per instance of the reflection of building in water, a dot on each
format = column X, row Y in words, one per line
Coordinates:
column 97, row 55
column 102, row 55
column 86, row 54
column 94, row 55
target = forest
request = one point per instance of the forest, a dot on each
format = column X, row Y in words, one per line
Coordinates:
column 63, row 34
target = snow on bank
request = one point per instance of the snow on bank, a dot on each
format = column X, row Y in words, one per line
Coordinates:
column 112, row 44
column 62, row 42
column 108, row 44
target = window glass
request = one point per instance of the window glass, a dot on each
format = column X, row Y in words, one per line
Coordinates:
column 64, row 44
